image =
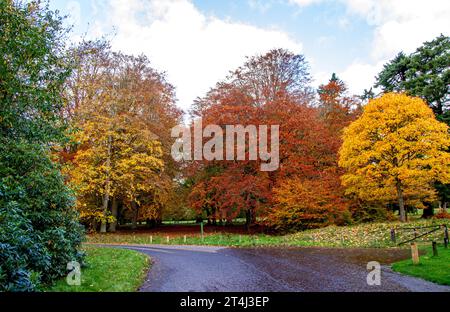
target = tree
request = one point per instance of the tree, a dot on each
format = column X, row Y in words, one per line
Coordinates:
column 272, row 89
column 116, row 159
column 336, row 107
column 396, row 149
column 39, row 231
column 248, row 96
column 116, row 105
column 260, row 80
column 307, row 203
column 424, row 73
column 367, row 95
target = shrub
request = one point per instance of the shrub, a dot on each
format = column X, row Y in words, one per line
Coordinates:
column 372, row 213
column 306, row 204
column 39, row 232
column 442, row 215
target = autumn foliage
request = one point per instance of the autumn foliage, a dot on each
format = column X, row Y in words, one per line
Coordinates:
column 395, row 152
column 337, row 159
column 121, row 112
column 273, row 89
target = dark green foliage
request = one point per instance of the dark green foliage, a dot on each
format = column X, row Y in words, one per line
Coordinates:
column 424, row 73
column 372, row 213
column 367, row 95
column 39, row 232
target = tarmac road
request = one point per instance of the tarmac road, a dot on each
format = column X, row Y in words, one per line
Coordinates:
column 208, row 268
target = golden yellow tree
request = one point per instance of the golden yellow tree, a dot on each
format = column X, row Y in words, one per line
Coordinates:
column 395, row 151
column 115, row 104
column 116, row 159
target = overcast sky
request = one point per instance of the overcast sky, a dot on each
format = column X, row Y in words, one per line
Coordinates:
column 196, row 42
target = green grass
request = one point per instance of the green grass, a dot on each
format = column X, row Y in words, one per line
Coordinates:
column 110, row 270
column 209, row 239
column 434, row 269
column 362, row 235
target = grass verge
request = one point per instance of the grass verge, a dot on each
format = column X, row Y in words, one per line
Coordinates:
column 362, row 235
column 108, row 270
column 432, row 268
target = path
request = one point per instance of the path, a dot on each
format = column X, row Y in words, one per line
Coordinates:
column 208, row 268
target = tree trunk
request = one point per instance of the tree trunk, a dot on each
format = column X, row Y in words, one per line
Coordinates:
column 114, row 210
column 94, row 225
column 107, row 182
column 427, row 211
column 443, row 206
column 250, row 218
column 105, row 209
column 401, row 202
column 134, row 208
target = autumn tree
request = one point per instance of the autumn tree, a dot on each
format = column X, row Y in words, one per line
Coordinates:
column 117, row 160
column 337, row 108
column 424, row 73
column 302, row 204
column 122, row 112
column 395, row 150
column 260, row 80
column 308, row 171
column 273, row 89
column 243, row 98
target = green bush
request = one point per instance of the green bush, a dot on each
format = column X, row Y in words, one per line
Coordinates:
column 21, row 253
column 39, row 232
column 372, row 213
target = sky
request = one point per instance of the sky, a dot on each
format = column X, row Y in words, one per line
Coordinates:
column 197, row 42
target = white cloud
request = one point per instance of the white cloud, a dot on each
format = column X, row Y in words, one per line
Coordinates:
column 360, row 75
column 304, row 3
column 195, row 50
column 398, row 25
column 324, row 41
column 74, row 9
column 402, row 24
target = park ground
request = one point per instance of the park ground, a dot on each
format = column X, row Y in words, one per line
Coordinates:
column 352, row 246
column 108, row 270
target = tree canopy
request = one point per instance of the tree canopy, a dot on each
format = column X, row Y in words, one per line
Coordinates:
column 395, row 150
column 424, row 73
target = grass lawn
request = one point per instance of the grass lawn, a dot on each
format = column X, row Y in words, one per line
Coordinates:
column 362, row 235
column 434, row 269
column 108, row 269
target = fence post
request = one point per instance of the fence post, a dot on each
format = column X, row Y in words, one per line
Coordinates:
column 184, row 239
column 435, row 252
column 151, row 239
column 445, row 236
column 168, row 239
column 414, row 253
column 201, row 230
column 393, row 235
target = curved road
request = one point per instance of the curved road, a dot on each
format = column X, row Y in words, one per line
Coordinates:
column 207, row 268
